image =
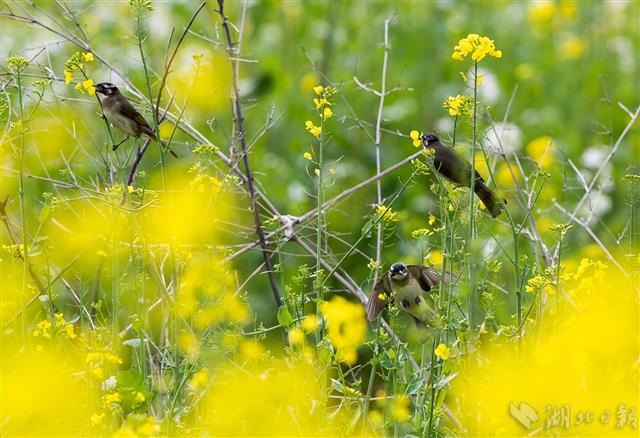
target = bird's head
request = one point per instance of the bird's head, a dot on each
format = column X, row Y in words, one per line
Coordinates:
column 107, row 89
column 399, row 271
column 429, row 139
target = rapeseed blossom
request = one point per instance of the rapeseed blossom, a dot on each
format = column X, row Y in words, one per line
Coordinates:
column 478, row 46
column 346, row 327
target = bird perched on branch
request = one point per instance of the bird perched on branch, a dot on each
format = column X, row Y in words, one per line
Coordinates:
column 458, row 170
column 121, row 114
column 404, row 285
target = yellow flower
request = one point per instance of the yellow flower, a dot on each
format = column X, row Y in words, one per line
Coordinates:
column 88, row 85
column 317, row 172
column 59, row 319
column 318, row 89
column 450, row 207
column 69, row 330
column 442, row 351
column 435, row 257
column 88, row 57
column 478, row 46
column 432, row 219
column 97, row 419
column 572, row 47
column 389, row 214
column 42, row 329
column 321, row 102
column 148, row 427
column 346, row 327
column 382, row 297
column 542, row 12
column 139, row 397
column 310, row 323
column 458, row 105
column 111, row 399
column 199, row 379
column 400, row 408
column 327, row 113
column 79, row 87
column 313, row 130
column 250, row 349
column 68, row 77
column 296, row 336
column 536, row 283
column 541, row 150
column 307, row 156
column 415, row 137
column 130, row 189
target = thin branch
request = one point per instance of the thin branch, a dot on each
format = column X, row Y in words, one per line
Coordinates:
column 239, row 118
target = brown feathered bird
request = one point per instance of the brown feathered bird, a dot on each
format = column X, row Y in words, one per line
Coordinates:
column 121, row 114
column 458, row 170
column 409, row 287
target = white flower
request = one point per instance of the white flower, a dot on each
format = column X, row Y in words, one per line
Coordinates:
column 444, row 124
column 593, row 157
column 489, row 89
column 109, row 384
column 503, row 137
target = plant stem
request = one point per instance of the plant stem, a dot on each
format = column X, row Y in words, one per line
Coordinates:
column 471, row 261
column 245, row 158
column 372, row 376
column 320, row 196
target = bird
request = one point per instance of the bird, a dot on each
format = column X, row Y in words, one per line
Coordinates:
column 458, row 170
column 405, row 285
column 121, row 114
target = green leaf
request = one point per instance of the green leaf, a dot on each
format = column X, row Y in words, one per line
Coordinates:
column 284, row 316
column 337, row 385
column 414, row 385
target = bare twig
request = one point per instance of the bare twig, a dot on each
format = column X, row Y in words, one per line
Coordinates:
column 327, row 204
column 239, row 119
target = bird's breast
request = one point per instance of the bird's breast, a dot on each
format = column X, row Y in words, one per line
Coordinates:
column 409, row 296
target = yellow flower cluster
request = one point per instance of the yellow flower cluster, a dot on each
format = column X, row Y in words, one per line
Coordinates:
column 346, row 327
column 478, row 46
column 312, row 129
column 207, row 302
column 322, row 104
column 98, row 360
column 76, row 64
column 387, row 214
column 458, row 105
column 17, row 63
column 415, row 137
column 538, row 282
column 43, row 328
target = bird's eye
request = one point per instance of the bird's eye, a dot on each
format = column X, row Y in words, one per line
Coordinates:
column 417, row 300
column 405, row 303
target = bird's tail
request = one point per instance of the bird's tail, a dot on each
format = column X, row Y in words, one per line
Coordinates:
column 489, row 199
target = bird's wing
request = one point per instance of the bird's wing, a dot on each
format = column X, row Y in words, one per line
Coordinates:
column 453, row 166
column 427, row 277
column 127, row 109
column 375, row 305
